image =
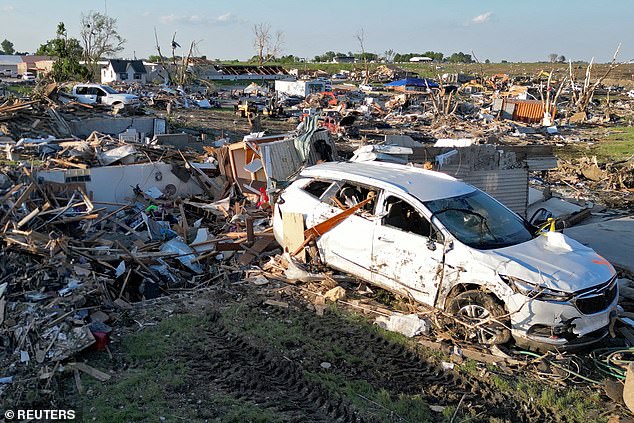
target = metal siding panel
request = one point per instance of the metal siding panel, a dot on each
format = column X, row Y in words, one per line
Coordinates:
column 282, row 157
column 509, row 186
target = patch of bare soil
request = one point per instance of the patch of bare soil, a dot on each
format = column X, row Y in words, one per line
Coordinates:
column 237, row 353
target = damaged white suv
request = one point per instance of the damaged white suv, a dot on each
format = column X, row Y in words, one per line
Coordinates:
column 449, row 245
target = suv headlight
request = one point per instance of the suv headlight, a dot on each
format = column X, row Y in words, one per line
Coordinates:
column 536, row 291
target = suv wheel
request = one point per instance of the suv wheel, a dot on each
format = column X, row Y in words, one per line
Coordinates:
column 484, row 319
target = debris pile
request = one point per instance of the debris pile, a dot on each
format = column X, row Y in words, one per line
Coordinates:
column 611, row 184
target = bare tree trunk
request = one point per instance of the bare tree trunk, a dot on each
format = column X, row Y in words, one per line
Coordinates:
column 360, row 36
column 582, row 99
column 158, row 49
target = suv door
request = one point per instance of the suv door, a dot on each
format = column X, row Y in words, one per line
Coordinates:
column 407, row 251
column 347, row 246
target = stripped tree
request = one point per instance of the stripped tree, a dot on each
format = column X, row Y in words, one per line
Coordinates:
column 267, row 45
column 582, row 95
column 550, row 102
column 360, row 36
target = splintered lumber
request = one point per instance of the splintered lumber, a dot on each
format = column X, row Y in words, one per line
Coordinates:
column 28, row 217
column 319, row 229
column 260, row 245
column 139, row 262
column 77, row 218
column 69, row 163
column 18, row 202
column 12, row 191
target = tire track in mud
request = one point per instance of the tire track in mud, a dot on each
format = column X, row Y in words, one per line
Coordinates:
column 248, row 373
column 391, row 366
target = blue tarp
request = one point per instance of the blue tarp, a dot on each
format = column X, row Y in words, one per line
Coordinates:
column 413, row 82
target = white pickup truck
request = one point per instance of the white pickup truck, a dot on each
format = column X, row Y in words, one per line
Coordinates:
column 103, row 94
column 8, row 73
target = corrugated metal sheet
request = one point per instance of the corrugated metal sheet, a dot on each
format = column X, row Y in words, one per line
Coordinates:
column 508, row 186
column 529, row 111
column 541, row 163
column 280, row 159
column 313, row 155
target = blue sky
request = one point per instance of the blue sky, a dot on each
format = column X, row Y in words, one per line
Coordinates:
column 514, row 30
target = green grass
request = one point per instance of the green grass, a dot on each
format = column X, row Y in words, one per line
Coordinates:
column 148, row 389
column 612, row 145
column 154, row 376
column 21, row 90
column 378, row 404
column 569, row 404
column 143, row 391
column 619, row 144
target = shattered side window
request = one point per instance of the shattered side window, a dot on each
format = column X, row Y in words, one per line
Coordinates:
column 317, row 188
column 349, row 194
column 403, row 216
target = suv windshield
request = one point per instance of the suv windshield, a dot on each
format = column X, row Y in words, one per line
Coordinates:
column 479, row 221
column 109, row 90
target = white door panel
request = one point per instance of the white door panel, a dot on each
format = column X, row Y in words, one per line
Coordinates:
column 403, row 260
column 347, row 246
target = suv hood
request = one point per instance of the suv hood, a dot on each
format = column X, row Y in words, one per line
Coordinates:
column 128, row 97
column 553, row 261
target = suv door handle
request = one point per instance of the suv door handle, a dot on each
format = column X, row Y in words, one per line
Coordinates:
column 381, row 238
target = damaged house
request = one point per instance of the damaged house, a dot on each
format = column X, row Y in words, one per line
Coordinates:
column 129, row 71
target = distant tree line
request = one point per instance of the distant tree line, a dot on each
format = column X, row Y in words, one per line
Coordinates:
column 556, row 58
column 391, row 56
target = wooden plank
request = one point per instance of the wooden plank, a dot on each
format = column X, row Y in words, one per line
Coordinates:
column 77, row 377
column 18, row 202
column 69, row 163
column 12, row 191
column 319, row 229
column 28, row 217
column 89, row 370
column 260, row 245
column 184, row 226
column 293, row 229
column 77, row 218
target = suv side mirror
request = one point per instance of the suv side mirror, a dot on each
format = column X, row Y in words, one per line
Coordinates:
column 540, row 216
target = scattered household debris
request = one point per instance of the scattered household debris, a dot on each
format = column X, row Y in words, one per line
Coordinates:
column 103, row 206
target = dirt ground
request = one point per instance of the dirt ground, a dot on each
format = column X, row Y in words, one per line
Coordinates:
column 224, row 355
column 220, row 123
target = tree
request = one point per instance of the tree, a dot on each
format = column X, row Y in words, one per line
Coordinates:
column 369, row 57
column 267, row 46
column 388, row 55
column 100, row 38
column 7, row 47
column 68, row 52
column 360, row 36
column 561, row 59
column 552, row 57
column 436, row 56
column 460, row 57
column 328, row 56
column 487, row 61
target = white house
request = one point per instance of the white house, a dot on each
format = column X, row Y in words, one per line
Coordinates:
column 124, row 71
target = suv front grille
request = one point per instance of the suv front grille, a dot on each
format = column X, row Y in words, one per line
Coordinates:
column 597, row 299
